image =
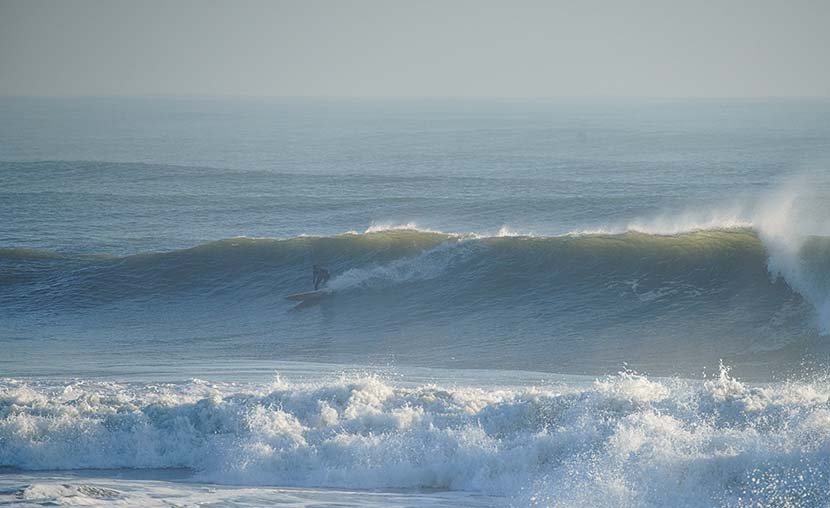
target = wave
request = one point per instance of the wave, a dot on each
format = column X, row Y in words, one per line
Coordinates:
column 710, row 258
column 623, row 440
column 574, row 303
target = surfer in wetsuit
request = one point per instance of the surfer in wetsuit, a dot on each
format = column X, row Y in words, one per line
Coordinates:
column 320, row 276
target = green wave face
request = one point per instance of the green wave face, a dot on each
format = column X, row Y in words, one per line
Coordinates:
column 543, row 303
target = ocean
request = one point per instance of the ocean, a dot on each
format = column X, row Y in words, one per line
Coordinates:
column 533, row 303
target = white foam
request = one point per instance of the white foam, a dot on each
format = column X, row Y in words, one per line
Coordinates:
column 429, row 264
column 626, row 440
column 76, row 495
column 378, row 227
column 105, row 489
column 508, row 232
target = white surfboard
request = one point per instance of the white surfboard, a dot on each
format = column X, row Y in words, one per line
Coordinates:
column 312, row 295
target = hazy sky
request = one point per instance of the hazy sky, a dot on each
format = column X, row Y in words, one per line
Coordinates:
column 416, row 48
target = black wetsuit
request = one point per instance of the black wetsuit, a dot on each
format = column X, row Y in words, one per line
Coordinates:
column 321, row 276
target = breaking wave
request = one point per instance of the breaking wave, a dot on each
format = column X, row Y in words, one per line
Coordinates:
column 623, row 440
column 574, row 303
column 704, row 260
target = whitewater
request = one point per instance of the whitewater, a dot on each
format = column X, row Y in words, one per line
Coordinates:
column 621, row 440
column 534, row 303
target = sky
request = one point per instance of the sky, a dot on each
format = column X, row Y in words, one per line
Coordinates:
column 425, row 48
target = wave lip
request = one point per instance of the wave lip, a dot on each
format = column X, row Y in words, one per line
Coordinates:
column 624, row 440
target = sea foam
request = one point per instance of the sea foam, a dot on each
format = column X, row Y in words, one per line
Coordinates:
column 623, row 440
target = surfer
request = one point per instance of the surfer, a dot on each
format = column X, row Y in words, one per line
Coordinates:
column 321, row 276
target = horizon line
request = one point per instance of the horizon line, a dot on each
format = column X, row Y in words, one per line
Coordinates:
column 413, row 97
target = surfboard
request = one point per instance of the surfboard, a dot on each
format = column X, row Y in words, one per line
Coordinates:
column 312, row 295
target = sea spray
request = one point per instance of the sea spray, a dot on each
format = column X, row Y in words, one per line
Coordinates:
column 623, row 440
column 792, row 223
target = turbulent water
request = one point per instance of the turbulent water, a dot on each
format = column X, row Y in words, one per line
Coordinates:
column 531, row 304
column 619, row 441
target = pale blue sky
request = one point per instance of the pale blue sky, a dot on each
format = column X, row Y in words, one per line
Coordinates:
column 425, row 48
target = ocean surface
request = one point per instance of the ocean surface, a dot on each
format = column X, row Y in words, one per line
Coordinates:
column 559, row 303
